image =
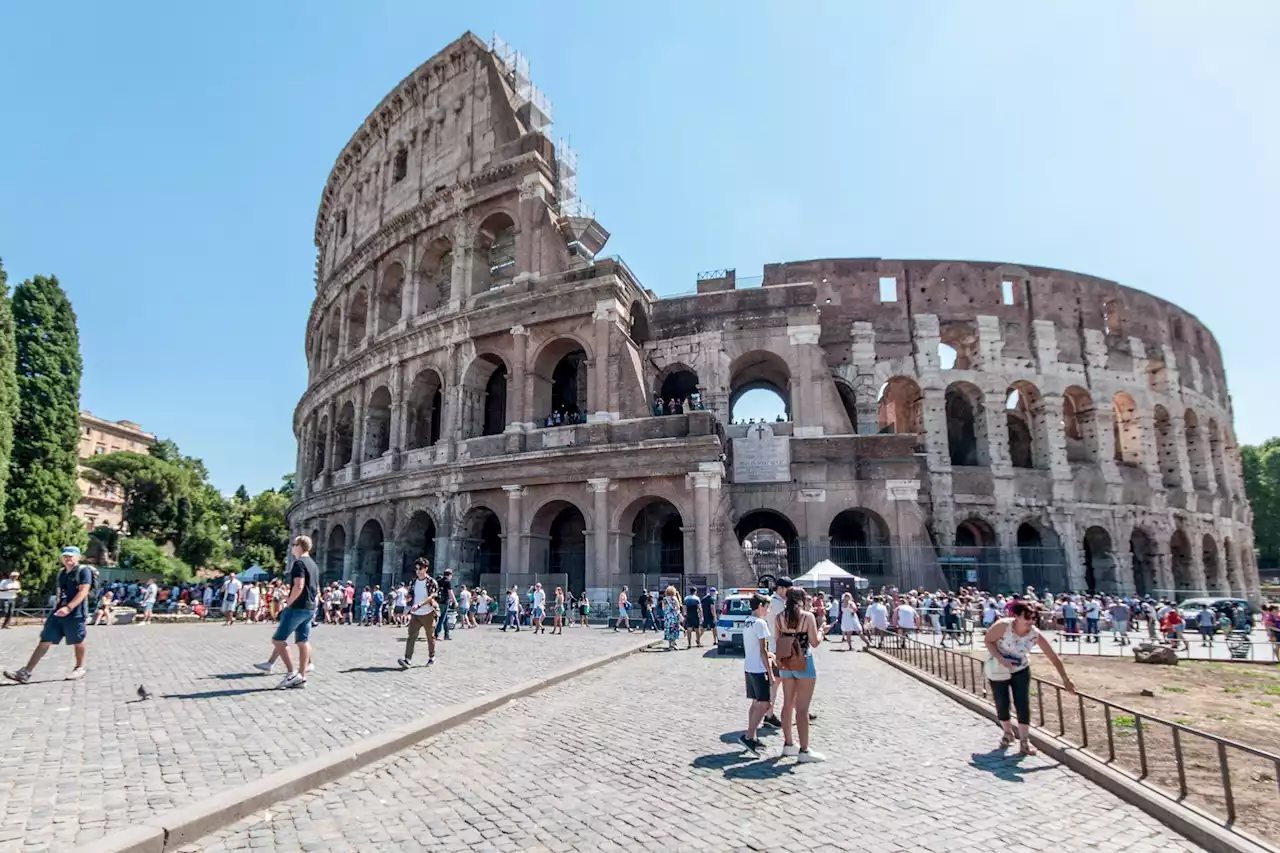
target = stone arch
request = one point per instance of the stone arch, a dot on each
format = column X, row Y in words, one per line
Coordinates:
column 1196, row 454
column 435, row 275
column 426, row 409
column 1101, row 574
column 1142, row 556
column 334, row 554
column 558, row 541
column 1079, row 425
column 494, row 262
column 560, row 381
column 484, row 396
column 1044, row 565
column 676, row 382
column 859, row 543
column 849, row 402
column 657, row 536
column 1215, row 579
column 775, row 544
column 358, row 317
column 1166, row 448
column 479, row 540
column 1184, row 572
column 976, row 541
column 418, row 540
column 901, row 407
column 1024, row 420
column 961, row 338
column 368, row 564
column 760, row 370
column 1215, row 455
column 344, row 435
column 966, row 425
column 639, row 331
column 390, row 297
column 377, row 423
column 1127, row 430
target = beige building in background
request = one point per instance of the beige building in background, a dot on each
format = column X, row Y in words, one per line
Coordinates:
column 104, row 504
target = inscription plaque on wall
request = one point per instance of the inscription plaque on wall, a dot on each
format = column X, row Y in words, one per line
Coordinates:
column 762, row 457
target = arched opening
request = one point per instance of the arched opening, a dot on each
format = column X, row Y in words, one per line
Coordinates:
column 860, row 545
column 657, row 539
column 345, row 432
column 332, row 338
column 1215, row 454
column 484, row 397
column 495, row 254
column 425, row 409
column 435, row 280
column 978, row 549
column 1100, row 573
column 390, row 297
column 770, row 543
column 1235, row 579
column 679, row 385
column 1142, row 555
column 358, row 318
column 1079, row 425
column 1166, row 449
column 320, row 448
column 377, row 424
column 1184, row 572
column 1196, row 452
column 1043, row 563
column 1024, row 420
column 901, row 407
column 369, row 554
column 639, row 324
column 558, row 543
column 479, row 546
column 849, row 402
column 958, row 346
column 1127, row 431
column 560, row 384
column 419, row 541
column 759, row 388
column 966, row 427
column 334, row 555
column 1215, row 580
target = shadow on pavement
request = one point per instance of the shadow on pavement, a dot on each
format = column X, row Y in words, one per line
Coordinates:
column 236, row 676
column 372, row 669
column 217, row 694
column 723, row 760
column 1005, row 765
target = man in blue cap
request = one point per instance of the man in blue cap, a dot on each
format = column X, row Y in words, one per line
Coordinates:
column 68, row 621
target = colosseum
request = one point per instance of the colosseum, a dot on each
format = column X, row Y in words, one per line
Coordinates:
column 488, row 389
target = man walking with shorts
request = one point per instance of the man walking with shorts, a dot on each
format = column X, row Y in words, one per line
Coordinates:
column 759, row 669
column 69, row 621
column 295, row 618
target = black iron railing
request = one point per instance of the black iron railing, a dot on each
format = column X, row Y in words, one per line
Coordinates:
column 1232, row 783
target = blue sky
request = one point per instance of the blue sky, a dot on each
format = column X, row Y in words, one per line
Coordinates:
column 165, row 160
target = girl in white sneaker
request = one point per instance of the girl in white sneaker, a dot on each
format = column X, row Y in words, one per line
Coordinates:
column 798, row 636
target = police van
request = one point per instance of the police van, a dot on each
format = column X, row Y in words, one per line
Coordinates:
column 735, row 616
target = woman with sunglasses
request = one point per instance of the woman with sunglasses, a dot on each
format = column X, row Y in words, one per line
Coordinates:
column 1008, row 668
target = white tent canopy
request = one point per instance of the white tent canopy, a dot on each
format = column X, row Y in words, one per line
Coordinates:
column 826, row 571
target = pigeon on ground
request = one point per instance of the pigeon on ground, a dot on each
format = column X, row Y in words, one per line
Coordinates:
column 143, row 693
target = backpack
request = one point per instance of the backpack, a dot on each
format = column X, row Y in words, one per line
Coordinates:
column 790, row 654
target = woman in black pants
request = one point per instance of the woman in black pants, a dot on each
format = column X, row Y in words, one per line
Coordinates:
column 1008, row 668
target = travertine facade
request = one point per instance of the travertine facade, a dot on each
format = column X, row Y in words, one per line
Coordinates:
column 459, row 304
column 104, row 504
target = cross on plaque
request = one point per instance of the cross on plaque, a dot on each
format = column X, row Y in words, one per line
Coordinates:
column 760, row 431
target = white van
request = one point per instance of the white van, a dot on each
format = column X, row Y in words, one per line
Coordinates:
column 735, row 616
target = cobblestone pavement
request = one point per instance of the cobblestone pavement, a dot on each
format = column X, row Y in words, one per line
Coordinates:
column 80, row 759
column 640, row 756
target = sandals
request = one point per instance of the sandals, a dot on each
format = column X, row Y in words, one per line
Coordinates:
column 1006, row 740
column 1027, row 749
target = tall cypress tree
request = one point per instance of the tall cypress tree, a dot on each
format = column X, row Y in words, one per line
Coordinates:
column 8, row 387
column 42, row 486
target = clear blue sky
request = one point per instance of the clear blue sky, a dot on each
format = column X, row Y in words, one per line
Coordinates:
column 165, row 161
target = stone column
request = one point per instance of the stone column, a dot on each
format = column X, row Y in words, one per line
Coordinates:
column 701, row 483
column 1178, row 427
column 598, row 573
column 512, row 528
column 412, row 281
column 450, row 407
column 517, row 404
column 863, row 355
column 330, row 450
column 357, row 432
column 390, row 570
column 398, row 408
column 806, row 416
column 599, row 401
column 463, row 260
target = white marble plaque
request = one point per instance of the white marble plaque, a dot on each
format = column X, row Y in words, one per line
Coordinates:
column 762, row 457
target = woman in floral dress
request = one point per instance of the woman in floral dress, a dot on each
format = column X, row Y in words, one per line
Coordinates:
column 671, row 617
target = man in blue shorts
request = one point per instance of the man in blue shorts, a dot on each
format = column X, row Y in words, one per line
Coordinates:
column 68, row 621
column 295, row 617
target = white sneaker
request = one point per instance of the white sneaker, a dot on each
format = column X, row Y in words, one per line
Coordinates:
column 404, row 663
column 808, row 756
column 76, row 674
column 790, row 749
column 290, row 681
column 311, row 667
column 264, row 667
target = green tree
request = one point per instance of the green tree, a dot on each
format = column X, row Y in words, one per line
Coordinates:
column 1262, row 487
column 8, row 386
column 260, row 555
column 146, row 557
column 265, row 522
column 288, row 485
column 42, row 489
column 150, row 489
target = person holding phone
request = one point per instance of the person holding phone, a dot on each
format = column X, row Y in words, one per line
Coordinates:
column 1008, row 669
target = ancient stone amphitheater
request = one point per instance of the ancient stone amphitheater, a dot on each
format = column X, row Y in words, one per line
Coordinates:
column 945, row 421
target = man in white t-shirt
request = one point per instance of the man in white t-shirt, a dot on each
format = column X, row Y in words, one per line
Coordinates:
column 907, row 618
column 758, row 666
column 423, row 612
column 230, row 597
column 9, row 589
column 539, row 608
column 878, row 621
column 149, row 594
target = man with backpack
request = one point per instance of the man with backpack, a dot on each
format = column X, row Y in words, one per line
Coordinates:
column 69, row 621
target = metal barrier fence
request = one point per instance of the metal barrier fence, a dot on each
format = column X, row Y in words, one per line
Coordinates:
column 1231, row 783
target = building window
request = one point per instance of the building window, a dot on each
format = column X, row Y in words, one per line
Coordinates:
column 342, row 223
column 1006, row 292
column 115, row 450
column 99, row 450
column 400, row 166
column 888, row 288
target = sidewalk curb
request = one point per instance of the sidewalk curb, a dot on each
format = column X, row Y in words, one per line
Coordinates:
column 170, row 830
column 1172, row 814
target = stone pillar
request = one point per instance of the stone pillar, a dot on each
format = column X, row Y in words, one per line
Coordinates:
column 357, row 431
column 863, row 355
column 701, row 483
column 412, row 281
column 598, row 571
column 1177, row 426
column 450, row 407
column 517, row 394
column 806, row 414
column 603, row 317
column 463, row 260
column 512, row 528
column 390, row 568
column 398, row 408
column 995, row 425
column 330, row 450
